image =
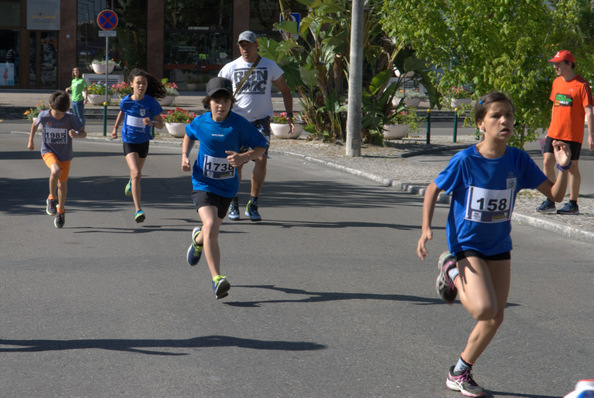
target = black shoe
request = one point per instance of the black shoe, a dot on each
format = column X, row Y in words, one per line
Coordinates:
column 60, row 220
column 251, row 210
column 569, row 208
column 546, row 207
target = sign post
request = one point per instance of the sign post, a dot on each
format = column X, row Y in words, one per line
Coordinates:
column 107, row 21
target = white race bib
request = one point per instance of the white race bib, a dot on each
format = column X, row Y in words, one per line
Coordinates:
column 56, row 135
column 488, row 205
column 217, row 168
column 133, row 121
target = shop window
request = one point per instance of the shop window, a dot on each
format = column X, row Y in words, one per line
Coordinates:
column 11, row 13
column 9, row 58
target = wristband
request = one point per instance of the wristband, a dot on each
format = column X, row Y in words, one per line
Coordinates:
column 564, row 168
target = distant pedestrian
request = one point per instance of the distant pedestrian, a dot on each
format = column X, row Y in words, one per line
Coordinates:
column 59, row 128
column 140, row 111
column 78, row 88
column 215, row 181
column 253, row 77
column 572, row 102
column 483, row 181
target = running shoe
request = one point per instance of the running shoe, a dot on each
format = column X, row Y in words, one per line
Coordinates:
column 569, row 208
column 547, row 206
column 234, row 210
column 221, row 287
column 50, row 206
column 139, row 216
column 60, row 220
column 444, row 285
column 251, row 210
column 194, row 251
column 464, row 383
column 128, row 189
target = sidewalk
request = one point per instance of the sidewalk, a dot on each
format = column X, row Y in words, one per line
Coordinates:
column 405, row 165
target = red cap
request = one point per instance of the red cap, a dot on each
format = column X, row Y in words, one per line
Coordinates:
column 563, row 55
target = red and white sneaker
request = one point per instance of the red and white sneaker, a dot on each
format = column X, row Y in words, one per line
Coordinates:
column 464, row 383
column 444, row 285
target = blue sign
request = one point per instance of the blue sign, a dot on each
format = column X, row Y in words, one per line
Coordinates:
column 107, row 20
column 295, row 17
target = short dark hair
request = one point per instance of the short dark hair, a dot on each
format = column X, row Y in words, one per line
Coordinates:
column 480, row 109
column 219, row 94
column 59, row 101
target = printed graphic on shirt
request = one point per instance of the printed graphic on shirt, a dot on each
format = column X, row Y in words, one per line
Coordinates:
column 255, row 83
column 563, row 100
column 55, row 135
column 488, row 205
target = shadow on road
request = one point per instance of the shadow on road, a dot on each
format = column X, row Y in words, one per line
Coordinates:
column 142, row 346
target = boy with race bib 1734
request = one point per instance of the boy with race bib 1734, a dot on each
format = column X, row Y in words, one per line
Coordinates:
column 215, row 180
column 483, row 181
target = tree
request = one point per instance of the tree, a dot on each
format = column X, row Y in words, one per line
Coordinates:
column 500, row 45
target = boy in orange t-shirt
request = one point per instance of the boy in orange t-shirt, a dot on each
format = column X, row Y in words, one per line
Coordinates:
column 572, row 103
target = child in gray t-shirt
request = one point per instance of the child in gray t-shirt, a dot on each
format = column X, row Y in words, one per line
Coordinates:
column 59, row 128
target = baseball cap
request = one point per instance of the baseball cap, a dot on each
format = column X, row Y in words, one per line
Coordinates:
column 248, row 35
column 219, row 84
column 563, row 55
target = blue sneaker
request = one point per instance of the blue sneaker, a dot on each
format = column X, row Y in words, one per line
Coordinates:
column 569, row 208
column 444, row 285
column 128, row 189
column 139, row 216
column 221, row 287
column 234, row 210
column 547, row 206
column 251, row 210
column 194, row 251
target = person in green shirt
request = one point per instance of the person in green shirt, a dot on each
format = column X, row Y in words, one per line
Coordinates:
column 78, row 88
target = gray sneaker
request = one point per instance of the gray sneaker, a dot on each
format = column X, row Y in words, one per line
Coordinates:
column 464, row 383
column 234, row 210
column 546, row 207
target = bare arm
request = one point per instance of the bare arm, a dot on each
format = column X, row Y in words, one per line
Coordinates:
column 590, row 122
column 187, row 146
column 237, row 159
column 31, row 144
column 114, row 132
column 431, row 195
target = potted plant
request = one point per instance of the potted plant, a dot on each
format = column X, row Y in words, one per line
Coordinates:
column 411, row 97
column 121, row 89
column 459, row 96
column 176, row 121
column 99, row 67
column 279, row 125
column 400, row 123
column 171, row 92
column 32, row 113
column 96, row 93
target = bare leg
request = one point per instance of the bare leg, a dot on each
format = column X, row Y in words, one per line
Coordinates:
column 62, row 192
column 208, row 238
column 135, row 163
column 258, row 175
column 483, row 288
column 575, row 180
column 55, row 173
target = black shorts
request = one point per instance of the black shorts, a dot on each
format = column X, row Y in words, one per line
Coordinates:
column 575, row 147
column 473, row 253
column 263, row 126
column 203, row 198
column 141, row 149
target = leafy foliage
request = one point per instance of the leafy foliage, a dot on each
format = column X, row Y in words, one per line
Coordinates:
column 497, row 45
column 179, row 115
column 32, row 113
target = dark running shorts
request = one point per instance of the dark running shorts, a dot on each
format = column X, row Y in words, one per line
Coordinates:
column 473, row 253
column 203, row 198
column 141, row 149
column 575, row 147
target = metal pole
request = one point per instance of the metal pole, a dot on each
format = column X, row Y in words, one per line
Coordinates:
column 354, row 115
column 106, row 87
column 455, row 125
column 428, row 126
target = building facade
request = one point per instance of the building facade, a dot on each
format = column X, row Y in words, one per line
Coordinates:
column 186, row 41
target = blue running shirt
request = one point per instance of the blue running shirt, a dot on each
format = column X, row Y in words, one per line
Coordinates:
column 133, row 130
column 212, row 172
column 483, row 195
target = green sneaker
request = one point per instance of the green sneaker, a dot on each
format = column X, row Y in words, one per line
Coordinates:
column 128, row 189
column 194, row 251
column 221, row 286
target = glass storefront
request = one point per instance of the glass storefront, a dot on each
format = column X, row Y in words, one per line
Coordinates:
column 198, row 40
column 10, row 43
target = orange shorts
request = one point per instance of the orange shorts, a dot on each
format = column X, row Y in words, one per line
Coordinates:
column 50, row 158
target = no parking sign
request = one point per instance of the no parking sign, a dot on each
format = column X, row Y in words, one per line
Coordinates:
column 107, row 20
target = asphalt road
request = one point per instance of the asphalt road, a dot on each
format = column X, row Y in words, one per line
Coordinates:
column 328, row 298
